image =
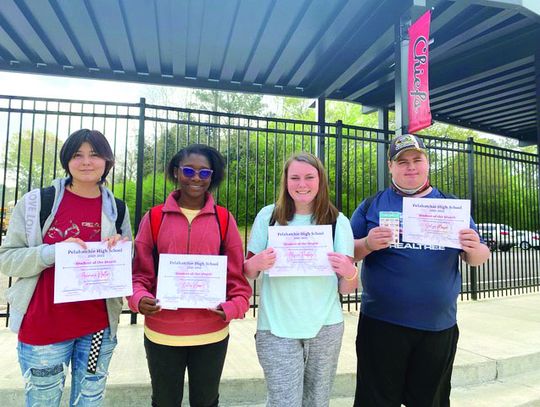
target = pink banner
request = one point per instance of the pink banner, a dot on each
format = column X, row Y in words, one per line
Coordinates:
column 418, row 74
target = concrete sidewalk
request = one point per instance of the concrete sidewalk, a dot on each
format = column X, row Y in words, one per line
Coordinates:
column 497, row 364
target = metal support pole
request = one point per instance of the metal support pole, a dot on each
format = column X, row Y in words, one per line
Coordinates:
column 140, row 168
column 401, row 50
column 382, row 146
column 470, row 173
column 472, row 269
column 339, row 164
column 537, row 74
column 321, row 120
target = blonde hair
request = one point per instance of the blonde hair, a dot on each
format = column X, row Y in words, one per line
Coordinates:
column 324, row 212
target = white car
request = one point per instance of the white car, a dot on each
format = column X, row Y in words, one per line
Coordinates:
column 497, row 236
column 525, row 239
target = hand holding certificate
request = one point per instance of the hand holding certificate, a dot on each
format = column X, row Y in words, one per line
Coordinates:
column 435, row 221
column 96, row 272
column 191, row 281
column 301, row 250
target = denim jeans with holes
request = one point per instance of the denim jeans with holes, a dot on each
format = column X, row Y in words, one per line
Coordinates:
column 44, row 371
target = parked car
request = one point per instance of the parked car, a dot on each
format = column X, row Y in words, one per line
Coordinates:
column 525, row 239
column 4, row 219
column 497, row 236
column 5, row 214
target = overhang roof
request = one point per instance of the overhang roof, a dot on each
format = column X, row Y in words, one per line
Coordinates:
column 482, row 69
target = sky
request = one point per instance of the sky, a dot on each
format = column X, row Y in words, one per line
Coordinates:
column 19, row 84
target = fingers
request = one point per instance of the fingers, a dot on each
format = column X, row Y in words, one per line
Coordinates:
column 270, row 253
column 149, row 306
column 80, row 242
column 380, row 238
column 112, row 240
column 266, row 259
column 468, row 239
column 337, row 258
column 341, row 264
column 469, row 235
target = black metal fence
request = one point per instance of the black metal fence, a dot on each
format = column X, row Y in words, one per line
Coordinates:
column 502, row 184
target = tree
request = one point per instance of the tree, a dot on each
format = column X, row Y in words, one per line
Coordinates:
column 229, row 102
column 33, row 159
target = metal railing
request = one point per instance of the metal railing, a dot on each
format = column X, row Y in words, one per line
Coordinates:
column 502, row 184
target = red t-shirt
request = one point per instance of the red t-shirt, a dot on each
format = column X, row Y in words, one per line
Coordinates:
column 45, row 322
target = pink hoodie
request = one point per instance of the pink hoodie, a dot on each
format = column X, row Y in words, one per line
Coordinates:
column 176, row 236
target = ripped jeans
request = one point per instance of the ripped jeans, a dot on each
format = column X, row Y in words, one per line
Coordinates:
column 44, row 371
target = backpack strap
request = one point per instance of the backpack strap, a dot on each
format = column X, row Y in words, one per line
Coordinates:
column 448, row 196
column 222, row 218
column 155, row 217
column 46, row 204
column 272, row 221
column 47, row 201
column 368, row 201
column 120, row 214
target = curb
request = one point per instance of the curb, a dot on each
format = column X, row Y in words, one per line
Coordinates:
column 253, row 391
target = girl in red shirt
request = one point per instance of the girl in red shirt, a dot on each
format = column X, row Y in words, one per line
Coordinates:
column 80, row 333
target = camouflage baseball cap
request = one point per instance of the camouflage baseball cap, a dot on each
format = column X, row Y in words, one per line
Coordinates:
column 403, row 143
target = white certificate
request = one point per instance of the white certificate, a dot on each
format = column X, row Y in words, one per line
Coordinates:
column 93, row 273
column 301, row 250
column 191, row 281
column 435, row 221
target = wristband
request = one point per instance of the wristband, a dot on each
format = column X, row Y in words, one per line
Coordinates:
column 367, row 245
column 353, row 277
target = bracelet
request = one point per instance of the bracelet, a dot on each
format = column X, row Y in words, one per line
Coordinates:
column 353, row 277
column 367, row 245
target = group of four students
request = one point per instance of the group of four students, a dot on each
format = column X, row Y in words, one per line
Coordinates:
column 300, row 320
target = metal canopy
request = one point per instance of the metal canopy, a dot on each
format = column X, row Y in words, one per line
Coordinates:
column 482, row 68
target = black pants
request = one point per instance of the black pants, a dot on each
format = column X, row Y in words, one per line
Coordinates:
column 167, row 366
column 398, row 365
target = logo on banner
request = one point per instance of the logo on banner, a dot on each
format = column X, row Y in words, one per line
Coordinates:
column 418, row 74
column 420, row 49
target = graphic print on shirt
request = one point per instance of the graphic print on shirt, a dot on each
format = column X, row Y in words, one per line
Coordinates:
column 68, row 229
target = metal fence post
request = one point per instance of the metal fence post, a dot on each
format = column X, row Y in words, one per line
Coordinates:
column 339, row 164
column 382, row 145
column 321, row 120
column 472, row 269
column 140, row 168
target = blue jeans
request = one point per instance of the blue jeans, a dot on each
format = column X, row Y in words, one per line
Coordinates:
column 44, row 371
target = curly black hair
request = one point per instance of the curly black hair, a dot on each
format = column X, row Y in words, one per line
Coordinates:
column 214, row 157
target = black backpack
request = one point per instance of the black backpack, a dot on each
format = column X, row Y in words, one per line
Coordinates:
column 47, row 200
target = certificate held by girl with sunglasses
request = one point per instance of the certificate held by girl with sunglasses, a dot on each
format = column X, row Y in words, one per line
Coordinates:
column 189, row 226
